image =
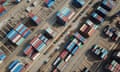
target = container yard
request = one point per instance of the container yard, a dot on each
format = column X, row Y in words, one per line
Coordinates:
column 59, row 36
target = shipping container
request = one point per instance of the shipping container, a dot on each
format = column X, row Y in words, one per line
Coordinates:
column 92, row 30
column 108, row 4
column 68, row 58
column 57, row 62
column 2, row 10
column 19, row 27
column 63, row 54
column 80, row 37
column 2, row 1
column 50, row 32
column 100, row 13
column 26, row 33
column 41, row 46
column 16, row 38
column 100, row 52
column 34, row 56
column 11, row 34
column 71, row 45
column 98, row 17
column 49, row 3
column 28, row 50
column 78, row 3
column 35, row 18
column 89, row 22
column 113, row 66
column 105, row 12
column 17, row 68
column 43, row 38
column 68, row 42
column 23, row 30
column 2, row 56
column 37, row 44
column 20, row 41
column 61, row 65
column 74, row 50
column 13, row 64
column 64, row 15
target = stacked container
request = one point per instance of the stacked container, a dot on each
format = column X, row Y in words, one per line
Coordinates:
column 97, row 17
column 113, row 66
column 102, row 10
column 2, row 10
column 49, row 3
column 88, row 29
column 80, row 37
column 78, row 3
column 35, row 46
column 50, row 32
column 2, row 56
column 64, row 15
column 35, row 18
column 100, row 52
column 107, row 4
column 18, row 34
column 16, row 66
column 2, row 1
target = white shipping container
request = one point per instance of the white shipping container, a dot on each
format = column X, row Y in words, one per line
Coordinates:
column 16, row 38
column 68, row 57
column 35, row 42
column 35, row 56
column 56, row 61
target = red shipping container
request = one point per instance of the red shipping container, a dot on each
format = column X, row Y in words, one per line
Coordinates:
column 63, row 54
column 37, row 44
column 33, row 40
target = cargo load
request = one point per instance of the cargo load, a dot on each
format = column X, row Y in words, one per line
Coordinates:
column 78, row 3
column 2, row 10
column 64, row 15
column 16, row 66
column 113, row 66
column 80, row 37
column 34, row 18
column 49, row 3
column 2, row 56
column 107, row 4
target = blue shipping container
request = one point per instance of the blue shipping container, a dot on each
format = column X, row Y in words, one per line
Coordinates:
column 13, row 64
column 71, row 46
column 75, row 49
column 41, row 46
column 18, row 68
column 27, row 34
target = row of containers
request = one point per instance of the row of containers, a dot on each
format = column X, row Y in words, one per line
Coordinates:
column 65, row 14
column 99, row 52
column 114, row 64
column 75, row 43
column 35, row 18
column 2, row 56
column 3, row 10
column 78, row 3
column 38, row 43
column 111, row 33
column 97, row 17
column 79, row 38
column 18, row 34
column 17, row 66
column 49, row 3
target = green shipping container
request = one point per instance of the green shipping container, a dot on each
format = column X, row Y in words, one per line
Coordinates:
column 20, row 41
